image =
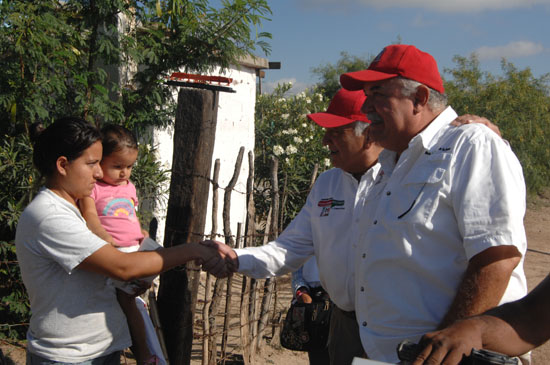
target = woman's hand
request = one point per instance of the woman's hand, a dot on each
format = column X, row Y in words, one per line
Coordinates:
column 218, row 258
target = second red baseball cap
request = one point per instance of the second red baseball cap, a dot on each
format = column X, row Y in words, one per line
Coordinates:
column 344, row 108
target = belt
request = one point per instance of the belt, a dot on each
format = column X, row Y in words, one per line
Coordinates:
column 349, row 314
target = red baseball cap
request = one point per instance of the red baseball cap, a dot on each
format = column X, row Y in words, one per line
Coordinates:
column 397, row 60
column 344, row 108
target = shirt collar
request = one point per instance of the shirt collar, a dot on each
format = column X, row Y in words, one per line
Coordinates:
column 369, row 174
column 426, row 136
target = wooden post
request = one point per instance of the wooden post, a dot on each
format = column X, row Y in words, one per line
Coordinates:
column 214, row 308
column 208, row 286
column 313, row 176
column 268, row 285
column 194, row 136
column 231, row 242
column 284, row 196
column 249, row 240
column 218, row 286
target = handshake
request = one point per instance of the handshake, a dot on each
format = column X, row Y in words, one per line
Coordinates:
column 217, row 258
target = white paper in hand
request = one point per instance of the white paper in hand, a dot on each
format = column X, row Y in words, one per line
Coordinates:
column 132, row 287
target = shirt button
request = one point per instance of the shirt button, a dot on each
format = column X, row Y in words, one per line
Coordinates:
column 375, row 222
column 388, row 192
column 364, row 324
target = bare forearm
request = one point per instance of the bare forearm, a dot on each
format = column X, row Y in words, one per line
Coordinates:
column 128, row 266
column 512, row 329
column 89, row 212
column 481, row 288
column 99, row 231
column 500, row 335
column 143, row 264
column 522, row 325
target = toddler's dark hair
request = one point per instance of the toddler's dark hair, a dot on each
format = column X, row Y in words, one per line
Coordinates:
column 116, row 137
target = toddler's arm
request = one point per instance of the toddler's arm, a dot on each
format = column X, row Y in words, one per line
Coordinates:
column 89, row 212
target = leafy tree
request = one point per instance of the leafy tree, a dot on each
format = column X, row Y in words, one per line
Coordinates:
column 517, row 102
column 19, row 181
column 73, row 57
column 329, row 74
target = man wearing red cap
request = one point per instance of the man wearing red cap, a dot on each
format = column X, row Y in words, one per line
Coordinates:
column 323, row 227
column 445, row 236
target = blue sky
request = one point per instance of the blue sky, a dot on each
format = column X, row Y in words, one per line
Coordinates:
column 309, row 33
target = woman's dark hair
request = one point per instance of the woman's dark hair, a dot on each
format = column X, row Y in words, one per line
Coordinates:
column 69, row 137
column 116, row 137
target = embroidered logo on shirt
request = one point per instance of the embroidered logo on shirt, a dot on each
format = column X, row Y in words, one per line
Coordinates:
column 329, row 203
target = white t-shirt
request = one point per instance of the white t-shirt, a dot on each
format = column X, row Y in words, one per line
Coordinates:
column 327, row 227
column 75, row 314
column 454, row 192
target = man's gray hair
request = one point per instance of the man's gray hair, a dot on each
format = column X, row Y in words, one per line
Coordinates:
column 359, row 127
column 436, row 102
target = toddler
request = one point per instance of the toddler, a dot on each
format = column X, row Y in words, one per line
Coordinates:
column 110, row 213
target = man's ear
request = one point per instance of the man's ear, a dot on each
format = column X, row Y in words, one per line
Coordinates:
column 61, row 165
column 421, row 97
column 368, row 141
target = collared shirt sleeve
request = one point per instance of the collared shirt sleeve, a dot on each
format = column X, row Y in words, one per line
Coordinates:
column 489, row 203
column 285, row 254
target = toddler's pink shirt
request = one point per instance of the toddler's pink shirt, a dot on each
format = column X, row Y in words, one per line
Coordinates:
column 115, row 205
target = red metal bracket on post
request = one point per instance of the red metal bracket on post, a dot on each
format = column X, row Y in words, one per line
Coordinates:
column 200, row 81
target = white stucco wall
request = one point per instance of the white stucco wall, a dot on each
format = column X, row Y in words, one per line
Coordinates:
column 235, row 128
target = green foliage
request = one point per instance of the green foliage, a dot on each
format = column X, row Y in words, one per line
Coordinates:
column 107, row 61
column 151, row 180
column 329, row 74
column 14, row 303
column 191, row 35
column 517, row 102
column 18, row 185
column 283, row 131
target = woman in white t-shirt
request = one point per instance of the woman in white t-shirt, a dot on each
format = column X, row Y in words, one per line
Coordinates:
column 75, row 315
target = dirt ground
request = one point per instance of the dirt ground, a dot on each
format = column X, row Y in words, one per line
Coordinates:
column 537, row 267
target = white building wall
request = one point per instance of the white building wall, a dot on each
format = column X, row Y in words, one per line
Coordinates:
column 235, row 128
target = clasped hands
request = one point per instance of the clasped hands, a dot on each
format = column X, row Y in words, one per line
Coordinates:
column 218, row 258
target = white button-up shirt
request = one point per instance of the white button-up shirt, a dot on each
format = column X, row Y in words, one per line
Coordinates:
column 325, row 227
column 454, row 192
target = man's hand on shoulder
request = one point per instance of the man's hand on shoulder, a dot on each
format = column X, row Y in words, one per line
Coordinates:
column 470, row 118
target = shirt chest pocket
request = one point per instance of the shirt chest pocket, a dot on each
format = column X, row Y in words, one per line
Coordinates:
column 422, row 189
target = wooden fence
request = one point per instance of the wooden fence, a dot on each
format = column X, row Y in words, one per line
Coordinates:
column 259, row 317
